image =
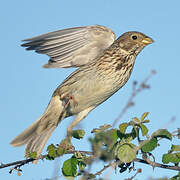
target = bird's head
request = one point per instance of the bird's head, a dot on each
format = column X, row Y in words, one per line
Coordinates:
column 133, row 42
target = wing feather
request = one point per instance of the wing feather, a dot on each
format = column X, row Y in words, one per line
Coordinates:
column 72, row 47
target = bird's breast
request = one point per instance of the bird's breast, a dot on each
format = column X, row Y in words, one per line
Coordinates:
column 96, row 88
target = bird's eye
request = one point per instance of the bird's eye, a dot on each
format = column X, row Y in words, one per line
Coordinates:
column 134, row 37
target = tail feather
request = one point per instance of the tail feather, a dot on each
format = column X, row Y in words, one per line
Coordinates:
column 37, row 142
column 36, row 136
column 23, row 138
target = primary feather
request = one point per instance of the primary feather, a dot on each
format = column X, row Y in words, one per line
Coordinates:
column 72, row 47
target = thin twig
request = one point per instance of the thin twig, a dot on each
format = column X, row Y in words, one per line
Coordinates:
column 137, row 172
column 23, row 162
column 135, row 92
column 104, row 168
column 176, row 168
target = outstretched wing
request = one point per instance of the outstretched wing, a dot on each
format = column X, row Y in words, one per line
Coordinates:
column 72, row 47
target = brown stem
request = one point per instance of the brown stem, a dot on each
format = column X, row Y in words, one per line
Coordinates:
column 176, row 168
column 26, row 161
column 135, row 91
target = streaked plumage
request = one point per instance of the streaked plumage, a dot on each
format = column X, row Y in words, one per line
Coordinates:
column 105, row 65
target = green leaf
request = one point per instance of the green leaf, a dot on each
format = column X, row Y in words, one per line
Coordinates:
column 70, row 167
column 79, row 156
column 146, row 121
column 90, row 176
column 96, row 130
column 101, row 128
column 60, row 151
column 105, row 126
column 175, row 147
column 52, row 151
column 51, row 147
column 81, row 165
column 123, row 127
column 171, row 157
column 128, row 136
column 149, row 145
column 163, row 133
column 32, row 155
column 144, row 116
column 144, row 129
column 136, row 120
column 78, row 134
column 49, row 157
column 113, row 134
column 108, row 138
column 126, row 153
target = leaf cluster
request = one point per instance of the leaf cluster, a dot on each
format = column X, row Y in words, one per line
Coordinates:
column 122, row 145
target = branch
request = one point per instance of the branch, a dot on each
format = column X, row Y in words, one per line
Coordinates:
column 20, row 163
column 176, row 168
column 111, row 164
column 26, row 161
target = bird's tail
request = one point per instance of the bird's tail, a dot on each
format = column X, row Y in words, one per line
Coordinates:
column 36, row 136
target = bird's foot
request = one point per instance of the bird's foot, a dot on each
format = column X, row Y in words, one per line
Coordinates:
column 66, row 144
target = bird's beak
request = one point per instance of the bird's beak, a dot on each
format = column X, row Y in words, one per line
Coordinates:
column 147, row 40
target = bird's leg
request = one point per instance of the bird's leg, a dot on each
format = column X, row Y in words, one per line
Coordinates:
column 80, row 116
column 66, row 144
column 67, row 103
column 71, row 97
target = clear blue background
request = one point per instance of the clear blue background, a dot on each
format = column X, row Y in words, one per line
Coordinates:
column 26, row 88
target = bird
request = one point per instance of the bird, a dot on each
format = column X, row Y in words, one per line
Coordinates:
column 104, row 65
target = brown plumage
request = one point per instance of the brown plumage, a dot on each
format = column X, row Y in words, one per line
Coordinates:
column 104, row 65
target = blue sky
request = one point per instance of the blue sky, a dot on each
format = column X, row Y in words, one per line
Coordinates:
column 26, row 88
